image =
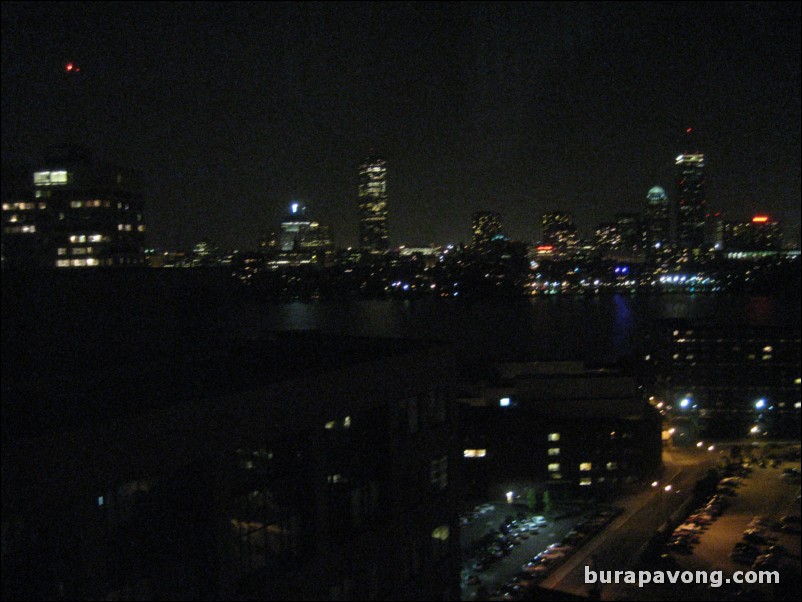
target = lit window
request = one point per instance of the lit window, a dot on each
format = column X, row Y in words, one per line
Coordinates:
column 79, row 251
column 78, row 263
column 504, row 402
column 768, row 349
column 554, row 467
column 442, row 533
column 474, row 453
column 140, row 228
column 78, row 238
column 585, row 466
column 554, row 436
column 347, row 422
column 612, row 465
column 331, row 424
column 62, row 263
column 62, row 251
column 585, row 481
column 555, row 475
column 96, row 238
column 76, row 204
column 100, row 501
column 92, row 261
column 554, row 451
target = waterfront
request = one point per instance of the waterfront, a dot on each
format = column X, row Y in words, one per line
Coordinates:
column 601, row 328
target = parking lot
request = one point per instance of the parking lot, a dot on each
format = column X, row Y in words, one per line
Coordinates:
column 506, row 548
column 748, row 535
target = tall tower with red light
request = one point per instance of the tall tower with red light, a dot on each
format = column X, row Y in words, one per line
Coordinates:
column 691, row 201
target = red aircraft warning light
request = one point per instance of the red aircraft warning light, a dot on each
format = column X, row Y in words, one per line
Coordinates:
column 71, row 68
column 760, row 219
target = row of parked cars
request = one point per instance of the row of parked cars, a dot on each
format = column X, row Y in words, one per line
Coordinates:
column 543, row 563
column 689, row 532
column 498, row 544
column 758, row 547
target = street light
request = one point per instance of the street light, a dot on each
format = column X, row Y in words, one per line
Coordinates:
column 760, row 404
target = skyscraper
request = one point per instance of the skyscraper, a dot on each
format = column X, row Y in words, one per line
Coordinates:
column 558, row 230
column 691, row 209
column 373, row 205
column 485, row 225
column 657, row 218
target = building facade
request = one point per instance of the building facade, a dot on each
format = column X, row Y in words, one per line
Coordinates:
column 558, row 230
column 691, row 196
column 523, row 427
column 299, row 467
column 373, row 235
column 78, row 213
column 718, row 373
column 657, row 219
column 485, row 225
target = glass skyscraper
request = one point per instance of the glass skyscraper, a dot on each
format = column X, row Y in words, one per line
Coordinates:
column 373, row 205
column 657, row 218
column 691, row 209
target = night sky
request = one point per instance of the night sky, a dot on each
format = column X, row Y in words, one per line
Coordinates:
column 230, row 111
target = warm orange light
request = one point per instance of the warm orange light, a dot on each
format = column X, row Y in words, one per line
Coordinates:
column 545, row 248
column 760, row 219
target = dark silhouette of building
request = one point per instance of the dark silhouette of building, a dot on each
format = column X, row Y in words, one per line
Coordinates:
column 297, row 466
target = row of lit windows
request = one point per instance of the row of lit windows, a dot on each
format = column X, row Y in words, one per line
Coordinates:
column 81, row 263
column 98, row 203
column 474, row 453
column 751, row 356
column 23, row 206
column 51, row 178
column 88, row 238
column 583, row 466
column 25, row 229
column 333, row 424
column 76, row 250
column 129, row 227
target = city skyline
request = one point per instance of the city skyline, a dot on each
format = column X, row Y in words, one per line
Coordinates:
column 515, row 109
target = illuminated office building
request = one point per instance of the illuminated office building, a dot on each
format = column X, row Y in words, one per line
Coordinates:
column 691, row 208
column 82, row 214
column 631, row 231
column 657, row 218
column 558, row 230
column 373, row 205
column 302, row 239
column 760, row 234
column 485, row 226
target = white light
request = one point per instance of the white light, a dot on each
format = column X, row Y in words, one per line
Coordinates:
column 685, row 403
column 667, row 488
column 711, row 448
column 655, row 483
column 504, row 402
column 760, row 404
column 510, row 496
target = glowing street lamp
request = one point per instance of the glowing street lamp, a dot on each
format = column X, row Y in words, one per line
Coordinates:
column 760, row 404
